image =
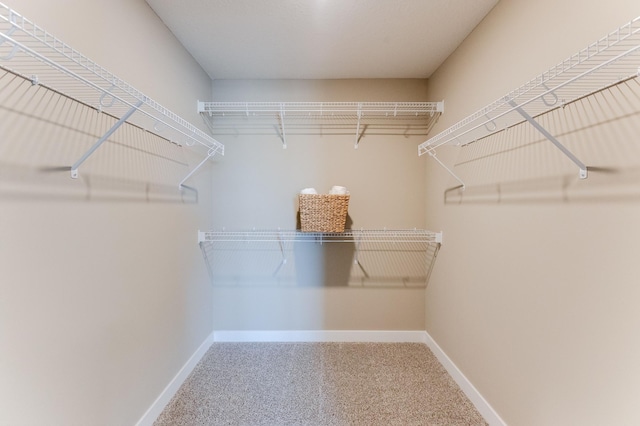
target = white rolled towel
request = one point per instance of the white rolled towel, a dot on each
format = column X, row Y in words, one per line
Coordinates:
column 309, row 191
column 338, row 190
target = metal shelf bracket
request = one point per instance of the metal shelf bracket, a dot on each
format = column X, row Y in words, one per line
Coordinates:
column 120, row 122
column 284, row 138
column 358, row 125
column 210, row 153
column 282, row 251
column 546, row 134
column 432, row 154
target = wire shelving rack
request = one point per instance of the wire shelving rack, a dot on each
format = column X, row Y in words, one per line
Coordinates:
column 290, row 114
column 33, row 53
column 350, row 235
column 396, row 245
column 611, row 60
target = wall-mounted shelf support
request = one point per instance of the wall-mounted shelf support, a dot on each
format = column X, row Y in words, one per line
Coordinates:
column 356, row 260
column 284, row 138
column 284, row 256
column 210, row 154
column 120, row 122
column 358, row 126
column 546, row 134
column 358, row 243
column 432, row 154
column 206, row 259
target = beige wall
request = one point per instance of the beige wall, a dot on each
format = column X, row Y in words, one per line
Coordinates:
column 535, row 289
column 256, row 185
column 104, row 295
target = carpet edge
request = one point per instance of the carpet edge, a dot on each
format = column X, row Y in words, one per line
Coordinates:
column 379, row 336
column 476, row 398
column 170, row 390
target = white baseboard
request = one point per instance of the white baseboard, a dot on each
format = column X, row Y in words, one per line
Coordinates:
column 467, row 387
column 158, row 405
column 390, row 336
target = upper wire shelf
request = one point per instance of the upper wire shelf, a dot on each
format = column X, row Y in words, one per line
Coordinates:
column 356, row 113
column 606, row 62
column 36, row 55
column 323, row 109
column 350, row 235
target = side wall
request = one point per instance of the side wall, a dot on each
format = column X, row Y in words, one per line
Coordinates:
column 535, row 289
column 104, row 295
column 256, row 186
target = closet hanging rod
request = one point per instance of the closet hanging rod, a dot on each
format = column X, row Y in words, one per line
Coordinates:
column 35, row 54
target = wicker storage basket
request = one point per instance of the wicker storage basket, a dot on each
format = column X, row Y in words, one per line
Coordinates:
column 323, row 212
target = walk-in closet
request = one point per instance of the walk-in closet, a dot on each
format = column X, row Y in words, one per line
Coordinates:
column 319, row 212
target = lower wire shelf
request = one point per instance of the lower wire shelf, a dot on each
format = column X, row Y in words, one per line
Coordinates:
column 350, row 235
column 366, row 257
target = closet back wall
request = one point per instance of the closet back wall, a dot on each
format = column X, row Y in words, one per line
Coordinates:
column 256, row 185
column 103, row 294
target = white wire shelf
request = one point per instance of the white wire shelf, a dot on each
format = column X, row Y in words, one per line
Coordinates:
column 36, row 55
column 323, row 109
column 296, row 114
column 351, row 235
column 376, row 255
column 608, row 61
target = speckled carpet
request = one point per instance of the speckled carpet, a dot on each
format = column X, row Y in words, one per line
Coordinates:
column 319, row 384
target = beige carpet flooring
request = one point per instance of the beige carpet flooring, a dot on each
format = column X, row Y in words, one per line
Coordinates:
column 319, row 384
